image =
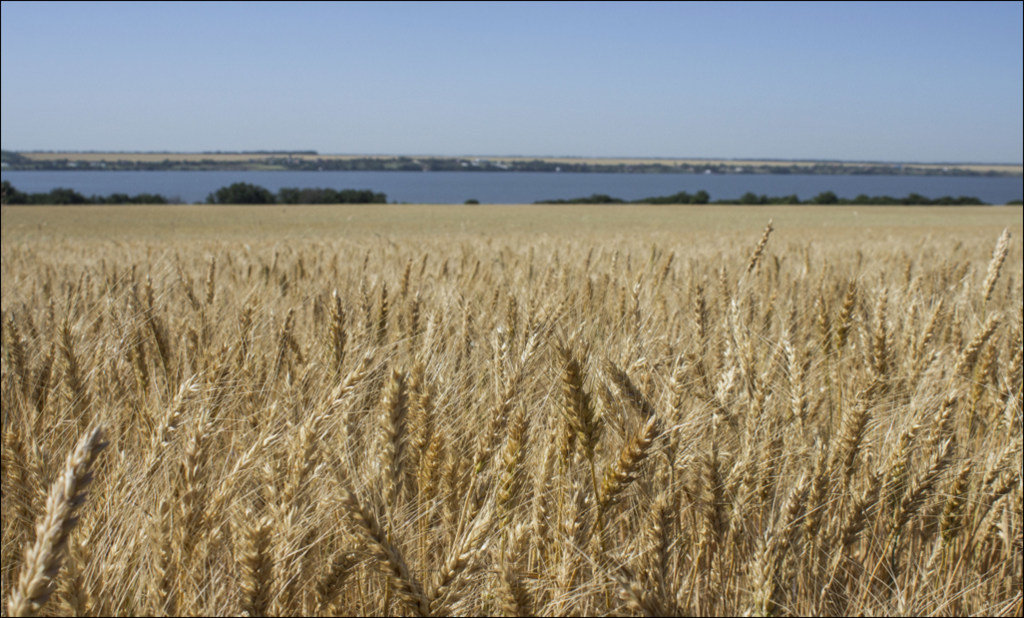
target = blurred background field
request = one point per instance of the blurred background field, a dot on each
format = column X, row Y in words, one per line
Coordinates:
column 661, row 223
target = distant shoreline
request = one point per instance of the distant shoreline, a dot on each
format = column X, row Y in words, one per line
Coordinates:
column 313, row 161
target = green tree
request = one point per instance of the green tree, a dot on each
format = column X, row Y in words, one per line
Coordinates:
column 294, row 195
column 826, row 197
column 241, row 193
column 10, row 195
column 63, row 196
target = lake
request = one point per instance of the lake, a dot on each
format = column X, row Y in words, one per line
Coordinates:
column 516, row 187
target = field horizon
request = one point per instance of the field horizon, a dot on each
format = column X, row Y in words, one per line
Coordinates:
column 90, row 221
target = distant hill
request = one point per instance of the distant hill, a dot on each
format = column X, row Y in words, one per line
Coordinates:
column 313, row 161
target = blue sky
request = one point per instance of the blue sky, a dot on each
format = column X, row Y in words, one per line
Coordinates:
column 852, row 81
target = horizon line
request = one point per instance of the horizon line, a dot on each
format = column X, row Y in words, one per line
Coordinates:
column 310, row 152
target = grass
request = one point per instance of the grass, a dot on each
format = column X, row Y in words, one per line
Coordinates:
column 516, row 410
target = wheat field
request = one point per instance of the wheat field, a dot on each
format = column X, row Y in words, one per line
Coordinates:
column 569, row 411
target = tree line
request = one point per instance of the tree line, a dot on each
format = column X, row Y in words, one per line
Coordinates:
column 63, row 196
column 826, row 198
column 237, row 193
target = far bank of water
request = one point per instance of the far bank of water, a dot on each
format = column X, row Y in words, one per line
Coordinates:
column 516, row 187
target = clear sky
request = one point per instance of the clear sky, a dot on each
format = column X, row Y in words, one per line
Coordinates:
column 912, row 81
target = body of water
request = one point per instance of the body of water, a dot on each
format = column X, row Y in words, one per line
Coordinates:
column 516, row 187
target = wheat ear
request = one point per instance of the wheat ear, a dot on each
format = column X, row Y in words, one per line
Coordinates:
column 386, row 555
column 42, row 560
column 256, row 565
column 755, row 257
column 625, row 470
column 998, row 256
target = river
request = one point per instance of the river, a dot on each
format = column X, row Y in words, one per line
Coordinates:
column 516, row 187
